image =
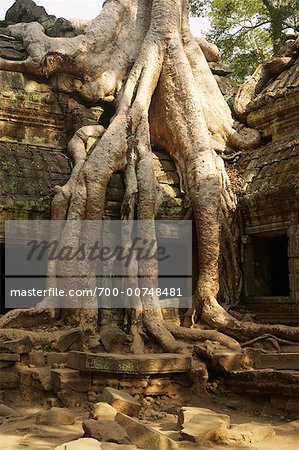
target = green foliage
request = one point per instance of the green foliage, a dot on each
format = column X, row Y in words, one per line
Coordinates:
column 248, row 31
column 47, row 347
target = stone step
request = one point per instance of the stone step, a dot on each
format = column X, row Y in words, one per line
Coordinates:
column 130, row 364
column 264, row 381
column 281, row 361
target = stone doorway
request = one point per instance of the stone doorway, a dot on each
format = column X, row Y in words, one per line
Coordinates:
column 267, row 270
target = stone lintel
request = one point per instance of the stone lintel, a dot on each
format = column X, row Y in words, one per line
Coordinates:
column 283, row 361
column 135, row 364
column 14, row 357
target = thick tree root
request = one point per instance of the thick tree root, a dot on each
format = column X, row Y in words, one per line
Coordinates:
column 195, row 334
column 141, row 55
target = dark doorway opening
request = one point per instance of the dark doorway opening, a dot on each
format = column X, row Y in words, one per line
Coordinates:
column 267, row 266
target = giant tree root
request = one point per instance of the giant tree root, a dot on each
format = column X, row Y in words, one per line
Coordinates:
column 141, row 55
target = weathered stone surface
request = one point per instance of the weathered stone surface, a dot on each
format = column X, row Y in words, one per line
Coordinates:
column 12, row 53
column 285, row 404
column 201, row 425
column 231, row 360
column 71, row 379
column 219, row 68
column 9, row 357
column 33, row 126
column 111, row 446
column 279, row 360
column 38, row 119
column 93, row 343
column 55, row 416
column 27, row 11
column 6, row 411
column 121, row 401
column 250, row 433
column 264, row 381
column 113, row 338
column 37, row 359
column 103, row 411
column 81, row 444
column 288, row 427
column 105, row 430
column 72, row 339
column 56, row 358
column 19, row 346
column 9, row 378
column 4, row 364
column 137, row 364
column 145, row 437
column 93, row 444
column 38, row 378
column 12, row 197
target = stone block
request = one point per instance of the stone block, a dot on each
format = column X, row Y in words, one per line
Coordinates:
column 145, row 437
column 264, row 381
column 288, row 361
column 70, row 339
column 55, row 416
column 81, row 444
column 39, row 378
column 103, row 411
column 131, row 364
column 231, row 360
column 113, row 338
column 285, row 403
column 201, row 425
column 37, row 359
column 9, row 378
column 4, row 364
column 161, row 386
column 250, row 433
column 111, row 446
column 71, row 379
column 11, row 81
column 56, row 358
column 219, row 68
column 19, row 346
column 105, row 430
column 99, row 381
column 121, row 401
column 11, row 357
column 6, row 411
column 293, row 250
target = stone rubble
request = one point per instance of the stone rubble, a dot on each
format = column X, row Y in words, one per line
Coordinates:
column 144, row 436
column 6, row 411
column 250, row 433
column 105, row 430
column 201, row 425
column 102, row 411
column 55, row 416
column 121, row 401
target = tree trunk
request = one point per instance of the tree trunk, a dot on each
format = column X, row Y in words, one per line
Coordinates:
column 140, row 54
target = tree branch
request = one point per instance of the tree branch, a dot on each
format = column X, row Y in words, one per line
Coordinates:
column 246, row 29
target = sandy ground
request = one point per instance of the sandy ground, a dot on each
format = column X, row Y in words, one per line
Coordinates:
column 19, row 432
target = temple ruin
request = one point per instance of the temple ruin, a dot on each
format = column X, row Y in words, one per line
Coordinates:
column 63, row 367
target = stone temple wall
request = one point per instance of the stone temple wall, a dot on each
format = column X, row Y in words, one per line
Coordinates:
column 36, row 123
column 270, row 207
